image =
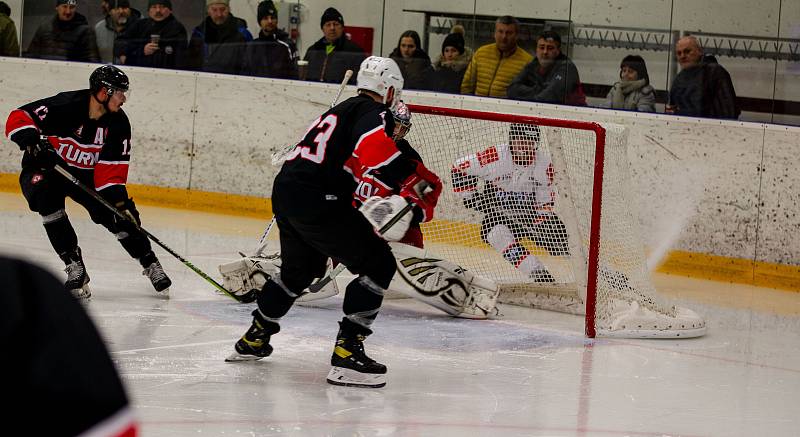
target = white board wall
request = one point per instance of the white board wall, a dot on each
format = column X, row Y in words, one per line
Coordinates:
column 733, row 185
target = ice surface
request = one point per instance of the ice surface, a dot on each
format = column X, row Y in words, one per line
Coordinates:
column 528, row 373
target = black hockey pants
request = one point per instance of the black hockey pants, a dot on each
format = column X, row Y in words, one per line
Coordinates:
column 46, row 191
column 335, row 230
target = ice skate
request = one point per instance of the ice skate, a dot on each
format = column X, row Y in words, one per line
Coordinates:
column 351, row 365
column 158, row 278
column 77, row 278
column 254, row 344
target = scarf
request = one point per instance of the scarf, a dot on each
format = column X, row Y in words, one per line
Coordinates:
column 622, row 89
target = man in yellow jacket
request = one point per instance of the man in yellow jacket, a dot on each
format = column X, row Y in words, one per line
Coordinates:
column 494, row 66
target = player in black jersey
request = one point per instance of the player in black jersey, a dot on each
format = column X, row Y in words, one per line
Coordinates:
column 312, row 201
column 90, row 136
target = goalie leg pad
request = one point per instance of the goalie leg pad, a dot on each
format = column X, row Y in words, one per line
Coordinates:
column 246, row 276
column 442, row 284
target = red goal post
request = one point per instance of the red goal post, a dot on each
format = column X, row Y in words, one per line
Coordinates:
column 601, row 262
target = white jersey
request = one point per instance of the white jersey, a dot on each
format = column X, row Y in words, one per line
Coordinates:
column 516, row 185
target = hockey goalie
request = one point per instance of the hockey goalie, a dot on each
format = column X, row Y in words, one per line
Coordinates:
column 381, row 195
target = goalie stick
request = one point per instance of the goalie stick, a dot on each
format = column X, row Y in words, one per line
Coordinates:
column 152, row 237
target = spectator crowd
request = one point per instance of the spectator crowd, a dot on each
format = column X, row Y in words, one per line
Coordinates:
column 221, row 43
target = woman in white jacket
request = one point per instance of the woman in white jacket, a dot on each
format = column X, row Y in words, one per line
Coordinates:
column 633, row 92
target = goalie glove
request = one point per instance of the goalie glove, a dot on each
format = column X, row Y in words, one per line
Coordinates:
column 422, row 189
column 380, row 210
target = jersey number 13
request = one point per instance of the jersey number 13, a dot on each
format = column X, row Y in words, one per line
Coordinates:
column 316, row 151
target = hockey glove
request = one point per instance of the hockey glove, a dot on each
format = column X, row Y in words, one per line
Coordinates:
column 128, row 209
column 462, row 182
column 380, row 210
column 423, row 189
column 26, row 138
column 43, row 154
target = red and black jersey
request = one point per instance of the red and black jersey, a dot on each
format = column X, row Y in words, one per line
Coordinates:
column 96, row 151
column 349, row 139
column 387, row 180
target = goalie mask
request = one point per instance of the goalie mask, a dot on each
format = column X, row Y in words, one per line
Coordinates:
column 378, row 75
column 402, row 121
column 524, row 141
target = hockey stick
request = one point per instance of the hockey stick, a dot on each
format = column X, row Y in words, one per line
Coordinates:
column 280, row 156
column 152, row 237
column 317, row 286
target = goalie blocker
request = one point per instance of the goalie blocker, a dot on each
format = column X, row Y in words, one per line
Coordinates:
column 432, row 280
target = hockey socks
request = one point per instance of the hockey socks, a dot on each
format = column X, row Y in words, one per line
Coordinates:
column 502, row 239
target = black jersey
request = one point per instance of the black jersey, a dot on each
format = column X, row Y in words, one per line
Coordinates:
column 349, row 137
column 95, row 151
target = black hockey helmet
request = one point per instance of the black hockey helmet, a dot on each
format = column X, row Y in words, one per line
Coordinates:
column 110, row 77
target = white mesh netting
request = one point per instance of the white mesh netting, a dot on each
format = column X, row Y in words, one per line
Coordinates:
column 517, row 209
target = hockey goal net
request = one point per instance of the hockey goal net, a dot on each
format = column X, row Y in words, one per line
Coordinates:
column 555, row 226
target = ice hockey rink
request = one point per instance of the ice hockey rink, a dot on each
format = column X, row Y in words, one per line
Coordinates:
column 528, row 373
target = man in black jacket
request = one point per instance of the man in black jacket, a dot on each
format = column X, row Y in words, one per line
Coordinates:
column 703, row 88
column 67, row 37
column 218, row 43
column 551, row 77
column 334, row 54
column 158, row 41
column 273, row 54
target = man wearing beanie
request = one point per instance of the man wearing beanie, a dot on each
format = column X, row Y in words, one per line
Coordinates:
column 551, row 77
column 158, row 41
column 67, row 37
column 218, row 43
column 334, row 54
column 119, row 18
column 272, row 54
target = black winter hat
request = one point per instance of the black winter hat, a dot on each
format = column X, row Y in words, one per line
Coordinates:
column 66, row 2
column 165, row 3
column 331, row 14
column 267, row 8
column 454, row 40
column 636, row 62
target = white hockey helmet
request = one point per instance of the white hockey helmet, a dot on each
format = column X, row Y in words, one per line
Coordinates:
column 402, row 120
column 378, row 75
